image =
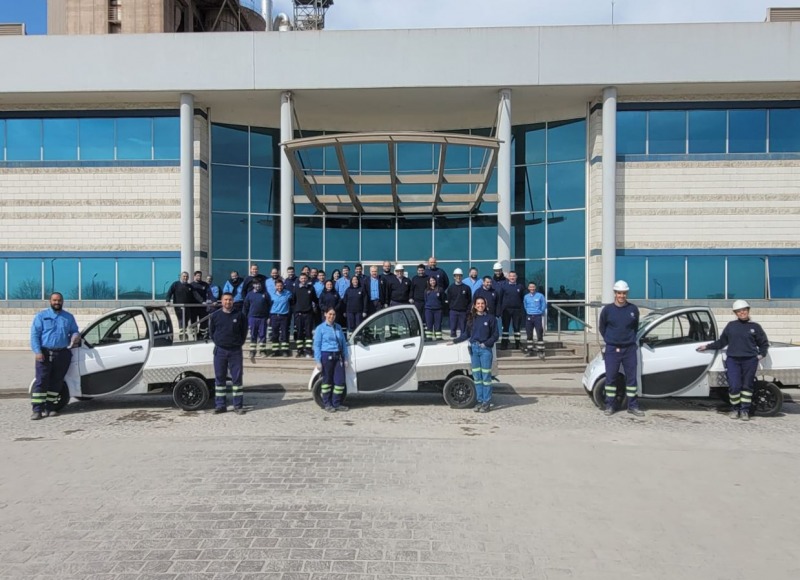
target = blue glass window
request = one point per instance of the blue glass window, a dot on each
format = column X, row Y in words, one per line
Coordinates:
column 747, row 277
column 60, row 140
column 2, row 140
column 96, row 139
column 416, row 157
column 527, row 271
column 566, row 185
column 527, row 236
column 632, row 270
column 377, row 238
column 264, row 194
column 135, row 138
column 136, row 278
column 341, row 240
column 566, row 234
column 566, row 141
column 229, row 233
column 451, row 239
column 265, row 234
column 567, row 278
column 747, row 132
column 535, row 145
column 667, row 132
column 61, row 275
column 456, row 159
column 331, row 161
column 707, row 131
column 631, row 133
column 2, row 282
column 25, row 278
column 784, row 130
column 308, row 239
column 221, row 270
column 261, row 148
column 165, row 271
column 414, row 239
column 784, row 277
column 230, row 188
column 529, row 188
column 666, row 277
column 167, row 138
column 24, row 139
column 375, row 158
column 484, row 237
column 706, row 277
column 229, row 144
column 99, row 278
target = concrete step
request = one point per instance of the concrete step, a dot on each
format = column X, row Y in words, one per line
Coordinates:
column 517, row 353
column 542, row 368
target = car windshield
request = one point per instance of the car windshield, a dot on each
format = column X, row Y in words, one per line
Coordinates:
column 650, row 317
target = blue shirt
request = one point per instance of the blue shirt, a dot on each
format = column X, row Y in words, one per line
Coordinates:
column 375, row 289
column 342, row 284
column 473, row 284
column 51, row 329
column 319, row 287
column 534, row 303
column 280, row 302
column 330, row 338
column 270, row 285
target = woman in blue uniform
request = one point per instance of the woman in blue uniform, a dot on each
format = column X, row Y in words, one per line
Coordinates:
column 329, row 297
column 482, row 334
column 331, row 354
column 355, row 304
column 434, row 303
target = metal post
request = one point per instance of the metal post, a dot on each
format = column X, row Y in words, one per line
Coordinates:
column 504, row 168
column 287, row 185
column 609, row 232
column 187, row 182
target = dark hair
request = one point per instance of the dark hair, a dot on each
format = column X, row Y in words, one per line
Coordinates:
column 336, row 271
column 473, row 312
column 290, row 268
column 224, row 294
column 359, row 265
column 56, row 294
column 196, row 272
column 357, row 279
column 487, row 278
column 345, row 266
column 420, row 266
column 331, row 309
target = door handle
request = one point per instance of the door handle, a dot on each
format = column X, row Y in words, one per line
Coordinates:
column 409, row 345
column 136, row 348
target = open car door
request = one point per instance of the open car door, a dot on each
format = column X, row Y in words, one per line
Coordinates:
column 113, row 352
column 670, row 363
column 385, row 350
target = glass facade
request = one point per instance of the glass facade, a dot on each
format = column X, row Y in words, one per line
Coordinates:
column 122, row 277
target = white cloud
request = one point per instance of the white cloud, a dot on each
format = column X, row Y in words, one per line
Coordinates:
column 367, row 14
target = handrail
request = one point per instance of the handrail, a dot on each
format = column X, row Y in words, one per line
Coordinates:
column 585, row 326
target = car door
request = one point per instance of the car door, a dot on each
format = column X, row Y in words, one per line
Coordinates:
column 113, row 352
column 670, row 363
column 385, row 349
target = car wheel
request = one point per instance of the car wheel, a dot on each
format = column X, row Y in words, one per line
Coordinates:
column 63, row 398
column 767, row 399
column 191, row 393
column 599, row 393
column 459, row 392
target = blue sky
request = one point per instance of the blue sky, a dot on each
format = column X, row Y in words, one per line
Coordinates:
column 32, row 12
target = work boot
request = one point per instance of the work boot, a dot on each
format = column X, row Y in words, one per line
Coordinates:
column 744, row 416
column 219, row 410
column 239, row 411
column 504, row 345
column 275, row 354
column 477, row 408
column 35, row 416
column 51, row 414
column 487, row 407
column 252, row 356
column 300, row 353
column 636, row 411
column 330, row 409
column 734, row 414
column 517, row 345
column 342, row 408
column 608, row 411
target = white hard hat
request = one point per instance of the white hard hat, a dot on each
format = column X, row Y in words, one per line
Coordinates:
column 398, row 267
column 458, row 272
column 497, row 266
column 621, row 286
column 740, row 305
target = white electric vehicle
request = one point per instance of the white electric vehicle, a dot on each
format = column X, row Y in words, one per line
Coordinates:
column 670, row 366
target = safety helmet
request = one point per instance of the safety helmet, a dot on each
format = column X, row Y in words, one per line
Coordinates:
column 497, row 266
column 740, row 305
column 458, row 272
column 398, row 267
column 621, row 286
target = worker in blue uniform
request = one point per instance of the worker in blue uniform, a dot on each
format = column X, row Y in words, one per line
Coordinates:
column 375, row 286
column 279, row 320
column 489, row 294
column 304, row 304
column 359, row 271
column 355, row 304
column 343, row 283
column 290, row 281
column 747, row 345
column 184, row 298
column 473, row 280
column 329, row 298
column 419, row 284
column 535, row 305
column 234, row 286
column 482, row 333
column 434, row 304
column 459, row 299
column 618, row 325
column 398, row 287
column 331, row 354
column 257, row 305
column 433, row 271
column 251, row 279
column 53, row 332
column 510, row 295
column 228, row 330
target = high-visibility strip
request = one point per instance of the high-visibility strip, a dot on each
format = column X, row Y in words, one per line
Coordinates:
column 486, row 370
column 611, row 390
column 326, row 388
column 38, row 399
column 476, row 370
column 338, row 390
column 630, row 390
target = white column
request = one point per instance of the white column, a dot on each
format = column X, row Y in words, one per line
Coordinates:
column 609, row 231
column 287, row 185
column 187, row 183
column 504, row 168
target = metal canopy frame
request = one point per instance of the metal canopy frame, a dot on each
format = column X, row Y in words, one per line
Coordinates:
column 311, row 179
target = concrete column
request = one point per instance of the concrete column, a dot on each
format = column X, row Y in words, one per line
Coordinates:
column 504, row 169
column 287, row 185
column 187, row 183
column 609, row 231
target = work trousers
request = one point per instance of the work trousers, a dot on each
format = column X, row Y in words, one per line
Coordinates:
column 228, row 361
column 482, row 372
column 333, row 378
column 458, row 321
column 512, row 317
column 303, row 323
column 353, row 320
column 433, row 324
column 741, row 376
column 534, row 322
column 258, row 334
column 627, row 357
column 280, row 332
column 50, row 374
column 420, row 306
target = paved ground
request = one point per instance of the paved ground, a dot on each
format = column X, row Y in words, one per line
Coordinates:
column 398, row 488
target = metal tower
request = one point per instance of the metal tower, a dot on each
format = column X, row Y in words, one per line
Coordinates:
column 310, row 14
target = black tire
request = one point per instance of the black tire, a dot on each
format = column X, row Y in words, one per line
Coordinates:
column 63, row 398
column 767, row 400
column 459, row 392
column 191, row 393
column 316, row 391
column 599, row 393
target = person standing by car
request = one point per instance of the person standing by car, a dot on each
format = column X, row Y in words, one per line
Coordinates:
column 53, row 332
column 331, row 353
column 355, row 304
column 398, row 287
column 618, row 325
column 747, row 344
column 535, row 307
column 279, row 320
column 482, row 334
column 459, row 298
column 257, row 305
column 182, row 295
column 434, row 304
column 228, row 330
